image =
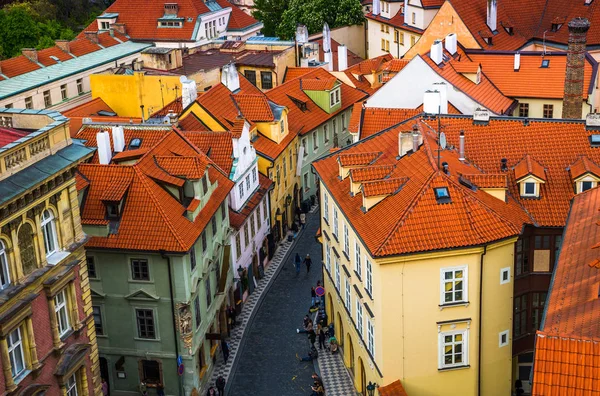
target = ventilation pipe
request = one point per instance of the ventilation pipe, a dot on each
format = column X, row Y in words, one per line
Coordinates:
column 492, row 14
column 517, row 61
column 342, row 58
column 461, row 146
column 103, row 143
column 118, row 136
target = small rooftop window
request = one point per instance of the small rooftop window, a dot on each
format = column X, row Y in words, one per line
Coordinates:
column 135, row 143
column 545, row 63
column 595, row 140
column 442, row 195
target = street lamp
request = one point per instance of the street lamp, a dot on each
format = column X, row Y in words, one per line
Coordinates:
column 371, row 388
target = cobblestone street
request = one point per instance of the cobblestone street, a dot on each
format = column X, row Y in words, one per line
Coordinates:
column 267, row 364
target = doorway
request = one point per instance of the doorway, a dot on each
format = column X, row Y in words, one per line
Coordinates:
column 350, row 355
column 340, row 330
column 362, row 379
column 104, row 372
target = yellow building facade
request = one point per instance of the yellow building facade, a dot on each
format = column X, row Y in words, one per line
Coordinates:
column 47, row 331
column 392, row 323
column 126, row 94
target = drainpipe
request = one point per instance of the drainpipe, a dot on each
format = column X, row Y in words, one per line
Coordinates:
column 180, row 378
column 480, row 321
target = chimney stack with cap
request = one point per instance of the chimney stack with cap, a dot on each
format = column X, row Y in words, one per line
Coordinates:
column 573, row 97
column 461, row 146
column 92, row 36
column 342, row 57
column 436, row 52
column 492, row 14
column 31, row 54
column 64, row 45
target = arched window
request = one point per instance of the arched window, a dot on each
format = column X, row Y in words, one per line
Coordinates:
column 49, row 232
column 4, row 274
column 27, row 249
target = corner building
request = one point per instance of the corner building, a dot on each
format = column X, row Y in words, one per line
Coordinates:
column 47, row 333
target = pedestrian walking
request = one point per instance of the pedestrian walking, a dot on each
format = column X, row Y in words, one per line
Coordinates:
column 225, row 349
column 312, row 336
column 317, row 389
column 302, row 219
column 211, row 392
column 232, row 314
column 307, row 329
column 297, row 263
column 308, row 263
column 321, row 338
column 104, row 387
column 160, row 389
column 313, row 297
column 221, row 385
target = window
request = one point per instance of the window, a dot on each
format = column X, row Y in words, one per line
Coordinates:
column 247, row 235
column 334, row 97
column 241, row 189
column 387, row 45
column 387, row 28
column 197, row 311
column 335, row 223
column 79, row 86
column 266, row 80
column 252, row 226
column 254, row 173
column 538, row 300
column 503, row 339
column 522, row 256
column 348, row 299
column 454, row 285
column 284, row 166
column 151, row 371
column 192, row 258
column 413, row 18
column 208, row 294
column 15, row 352
column 396, row 36
column 328, row 257
column 140, row 270
column 306, row 186
column 251, row 76
column 371, row 337
column 369, row 277
column 326, row 207
column 413, row 41
column 205, row 184
column 29, row 102
column 358, row 265
column 104, row 25
column 248, row 183
column 63, row 91
column 8, row 105
column 442, row 195
column 520, row 316
column 213, row 224
column 47, row 99
column 359, row 317
column 265, row 210
column 338, row 281
column 49, row 232
column 545, row 63
column 72, row 381
column 61, row 310
column 204, row 244
column 453, row 349
column 315, row 139
column 523, row 109
column 505, row 275
column 238, row 244
column 145, row 323
column 304, row 146
column 346, row 240
column 401, row 38
column 548, row 111
column 4, row 272
column 382, row 27
column 98, row 324
column 343, row 121
column 326, row 132
column 27, row 248
column 529, row 189
column 223, row 211
column 291, row 159
column 586, row 185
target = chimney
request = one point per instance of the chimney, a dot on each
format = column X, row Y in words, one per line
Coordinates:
column 376, row 7
column 30, row 53
column 492, row 14
column 451, row 43
column 405, row 143
column 415, row 139
column 171, row 8
column 103, row 143
column 431, row 102
column 436, row 52
column 517, row 61
column 63, row 45
column 172, row 117
column 120, row 28
column 189, row 90
column 118, row 136
column 573, row 97
column 445, row 167
column 442, row 89
column 91, row 36
column 329, row 60
column 230, row 77
column 343, row 57
column 461, row 146
column 326, row 38
column 503, row 165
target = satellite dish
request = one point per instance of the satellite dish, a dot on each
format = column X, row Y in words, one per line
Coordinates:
column 442, row 140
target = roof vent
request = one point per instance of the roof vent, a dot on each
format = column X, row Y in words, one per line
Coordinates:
column 461, row 146
column 118, row 138
column 503, row 165
column 481, row 115
column 445, row 167
column 592, row 120
column 545, row 63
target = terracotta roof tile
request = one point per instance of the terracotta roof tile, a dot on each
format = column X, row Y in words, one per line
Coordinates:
column 582, row 166
column 369, row 66
column 116, row 188
column 238, row 19
column 295, row 72
column 191, row 167
column 372, row 172
column 383, row 187
column 45, row 54
column 192, row 123
column 129, row 154
column 395, row 65
column 18, row 65
column 83, row 46
column 358, row 159
column 352, row 58
column 88, row 108
column 314, row 84
column 529, row 166
column 218, row 146
column 254, row 107
column 80, row 181
column 393, row 389
column 488, row 180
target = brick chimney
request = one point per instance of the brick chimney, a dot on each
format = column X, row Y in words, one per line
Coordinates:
column 64, row 45
column 120, row 28
column 30, row 53
column 92, row 36
column 573, row 97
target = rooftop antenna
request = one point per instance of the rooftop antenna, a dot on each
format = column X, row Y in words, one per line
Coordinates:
column 544, row 43
column 162, row 98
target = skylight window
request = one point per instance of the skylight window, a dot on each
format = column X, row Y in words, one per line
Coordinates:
column 442, row 195
column 135, row 143
column 595, row 140
column 545, row 63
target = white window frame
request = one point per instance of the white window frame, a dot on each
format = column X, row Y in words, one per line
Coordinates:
column 71, row 385
column 580, row 185
column 61, row 309
column 465, row 280
column 369, row 276
column 335, row 223
column 338, row 282
column 357, row 264
column 346, row 240
column 326, row 207
column 500, row 335
column 502, row 272
column 16, row 347
column 348, row 297
column 465, row 348
column 536, row 187
column 315, row 139
column 371, row 337
column 49, row 233
column 359, row 317
column 4, row 271
column 328, row 257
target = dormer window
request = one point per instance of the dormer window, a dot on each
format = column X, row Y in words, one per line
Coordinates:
column 104, row 25
column 112, row 210
column 334, row 97
column 530, row 189
column 586, row 185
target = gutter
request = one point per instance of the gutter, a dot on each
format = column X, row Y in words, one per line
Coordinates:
column 480, row 321
column 175, row 340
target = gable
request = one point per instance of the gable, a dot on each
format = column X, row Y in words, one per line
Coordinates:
column 141, row 295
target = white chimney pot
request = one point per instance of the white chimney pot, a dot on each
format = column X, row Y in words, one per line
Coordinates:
column 118, row 136
column 492, row 14
column 342, row 58
column 436, row 52
column 517, row 61
column 329, row 60
column 376, row 7
column 431, row 102
column 451, row 43
column 103, row 143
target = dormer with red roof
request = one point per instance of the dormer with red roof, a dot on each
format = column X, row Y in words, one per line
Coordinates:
column 585, row 174
column 530, row 175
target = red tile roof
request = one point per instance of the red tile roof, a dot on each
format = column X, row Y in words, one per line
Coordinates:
column 314, row 84
column 372, row 65
column 393, row 389
column 218, row 146
column 152, row 219
column 254, row 107
column 9, row 135
column 489, row 180
column 295, row 72
column 145, row 27
column 45, row 54
column 395, row 65
column 189, row 167
column 369, row 173
column 371, row 120
column 582, row 166
column 237, row 219
column 352, row 58
column 18, row 65
column 90, row 110
column 358, row 159
column 529, row 166
column 396, row 21
column 192, row 123
column 383, row 187
column 116, row 188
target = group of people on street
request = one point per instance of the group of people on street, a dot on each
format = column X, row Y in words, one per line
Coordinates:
column 220, row 385
column 298, row 263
